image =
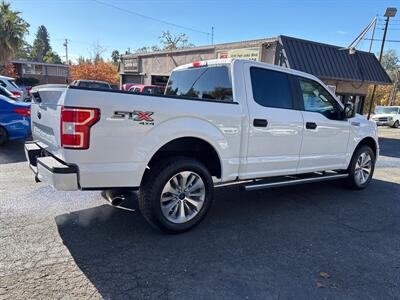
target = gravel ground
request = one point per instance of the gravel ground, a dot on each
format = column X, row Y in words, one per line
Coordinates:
column 270, row 244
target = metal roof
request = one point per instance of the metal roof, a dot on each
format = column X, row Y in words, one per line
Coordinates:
column 20, row 61
column 332, row 62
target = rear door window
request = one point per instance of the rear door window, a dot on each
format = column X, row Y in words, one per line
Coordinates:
column 207, row 83
column 271, row 88
column 13, row 83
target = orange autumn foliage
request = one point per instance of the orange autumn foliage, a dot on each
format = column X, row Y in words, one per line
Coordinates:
column 95, row 71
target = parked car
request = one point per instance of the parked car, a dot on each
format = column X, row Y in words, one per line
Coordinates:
column 148, row 89
column 92, row 84
column 15, row 120
column 9, row 84
column 7, row 93
column 387, row 115
column 220, row 122
column 127, row 86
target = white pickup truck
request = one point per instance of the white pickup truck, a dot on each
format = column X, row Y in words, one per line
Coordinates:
column 387, row 115
column 220, row 122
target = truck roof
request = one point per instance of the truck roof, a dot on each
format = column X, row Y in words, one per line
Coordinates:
column 228, row 61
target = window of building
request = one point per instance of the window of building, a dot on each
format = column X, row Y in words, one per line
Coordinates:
column 208, row 83
column 271, row 88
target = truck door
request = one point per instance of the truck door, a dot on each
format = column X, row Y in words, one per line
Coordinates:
column 326, row 130
column 276, row 127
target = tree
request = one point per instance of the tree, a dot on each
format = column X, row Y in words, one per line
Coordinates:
column 95, row 71
column 148, row 49
column 96, row 52
column 41, row 44
column 172, row 42
column 115, row 56
column 52, row 57
column 12, row 31
column 390, row 62
column 169, row 42
column 24, row 52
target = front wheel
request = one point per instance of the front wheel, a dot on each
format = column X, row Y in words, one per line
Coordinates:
column 396, row 124
column 361, row 168
column 3, row 136
column 176, row 194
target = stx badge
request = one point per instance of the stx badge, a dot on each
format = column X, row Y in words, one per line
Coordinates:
column 142, row 117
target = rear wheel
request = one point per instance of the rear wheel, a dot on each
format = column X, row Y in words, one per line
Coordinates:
column 176, row 195
column 396, row 124
column 3, row 136
column 361, row 168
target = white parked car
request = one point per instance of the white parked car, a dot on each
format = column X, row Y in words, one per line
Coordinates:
column 220, row 122
column 387, row 115
column 9, row 84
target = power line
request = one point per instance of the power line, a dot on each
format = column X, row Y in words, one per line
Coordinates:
column 389, row 41
column 150, row 18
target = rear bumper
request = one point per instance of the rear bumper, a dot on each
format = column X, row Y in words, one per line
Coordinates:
column 47, row 168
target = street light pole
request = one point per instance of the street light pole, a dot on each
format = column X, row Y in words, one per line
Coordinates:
column 390, row 12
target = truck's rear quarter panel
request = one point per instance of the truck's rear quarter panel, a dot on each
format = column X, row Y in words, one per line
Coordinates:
column 120, row 148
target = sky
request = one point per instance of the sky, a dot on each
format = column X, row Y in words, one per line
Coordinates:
column 113, row 24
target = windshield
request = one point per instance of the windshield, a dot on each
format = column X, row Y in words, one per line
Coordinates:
column 208, row 83
column 94, row 85
column 387, row 110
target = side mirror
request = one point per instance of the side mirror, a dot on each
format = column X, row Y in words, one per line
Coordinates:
column 349, row 110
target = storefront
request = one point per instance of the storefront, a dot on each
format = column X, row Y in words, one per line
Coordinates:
column 349, row 75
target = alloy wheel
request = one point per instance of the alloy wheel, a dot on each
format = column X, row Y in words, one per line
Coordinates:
column 182, row 197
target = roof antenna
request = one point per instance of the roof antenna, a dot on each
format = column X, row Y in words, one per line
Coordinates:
column 353, row 46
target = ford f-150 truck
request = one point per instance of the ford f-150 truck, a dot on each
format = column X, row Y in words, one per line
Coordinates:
column 220, row 122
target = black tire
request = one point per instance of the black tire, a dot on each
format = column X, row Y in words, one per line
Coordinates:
column 3, row 136
column 153, row 185
column 396, row 124
column 352, row 180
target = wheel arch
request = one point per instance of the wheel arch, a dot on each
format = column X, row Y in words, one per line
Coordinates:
column 368, row 141
column 192, row 147
column 6, row 131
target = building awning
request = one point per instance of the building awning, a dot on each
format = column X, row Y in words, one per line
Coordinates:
column 331, row 62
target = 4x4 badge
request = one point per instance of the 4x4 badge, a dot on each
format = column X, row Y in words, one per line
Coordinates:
column 143, row 116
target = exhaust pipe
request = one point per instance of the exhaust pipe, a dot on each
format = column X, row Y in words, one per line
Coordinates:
column 114, row 197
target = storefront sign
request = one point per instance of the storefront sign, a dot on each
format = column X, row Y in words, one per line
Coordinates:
column 244, row 53
column 131, row 65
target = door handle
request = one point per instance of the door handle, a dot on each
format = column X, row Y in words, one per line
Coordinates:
column 260, row 123
column 311, row 125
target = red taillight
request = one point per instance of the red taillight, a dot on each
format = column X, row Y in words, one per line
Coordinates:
column 16, row 94
column 25, row 112
column 75, row 126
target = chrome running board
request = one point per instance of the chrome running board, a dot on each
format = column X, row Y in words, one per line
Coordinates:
column 275, row 182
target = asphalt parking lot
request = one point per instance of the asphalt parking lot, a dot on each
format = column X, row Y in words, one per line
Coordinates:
column 313, row 241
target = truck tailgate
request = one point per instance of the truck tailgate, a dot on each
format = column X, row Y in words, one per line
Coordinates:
column 45, row 116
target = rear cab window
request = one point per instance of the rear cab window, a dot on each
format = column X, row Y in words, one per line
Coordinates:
column 205, row 83
column 271, row 88
column 94, row 85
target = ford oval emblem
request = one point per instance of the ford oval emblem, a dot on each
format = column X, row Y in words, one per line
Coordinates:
column 39, row 115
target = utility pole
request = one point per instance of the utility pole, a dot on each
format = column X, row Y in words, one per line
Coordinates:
column 390, row 12
column 212, row 35
column 66, row 50
column 393, row 94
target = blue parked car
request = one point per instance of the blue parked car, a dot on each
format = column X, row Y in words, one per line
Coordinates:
column 15, row 120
